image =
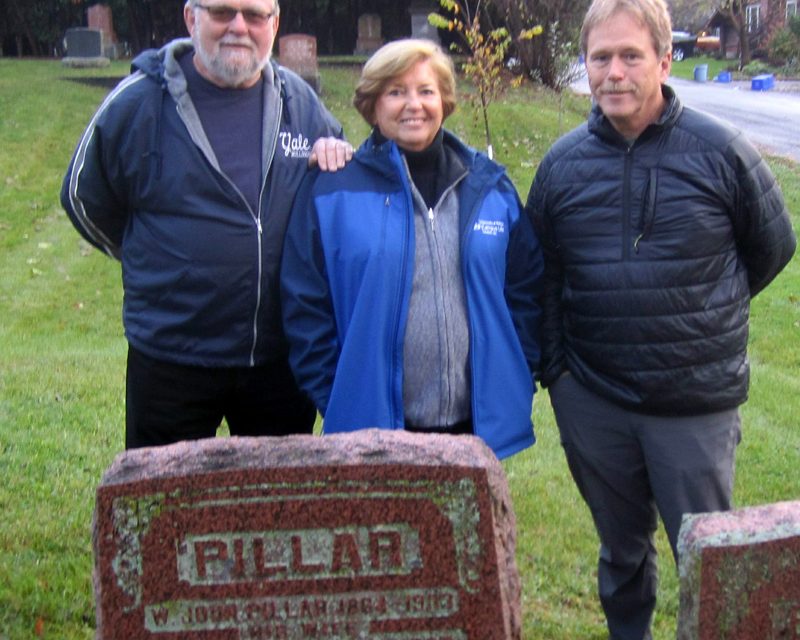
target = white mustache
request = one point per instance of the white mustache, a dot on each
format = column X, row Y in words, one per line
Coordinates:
column 238, row 42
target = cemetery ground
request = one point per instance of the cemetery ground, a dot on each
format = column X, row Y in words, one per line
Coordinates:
column 62, row 361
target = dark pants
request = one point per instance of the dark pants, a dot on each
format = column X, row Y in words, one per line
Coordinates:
column 629, row 468
column 463, row 428
column 167, row 403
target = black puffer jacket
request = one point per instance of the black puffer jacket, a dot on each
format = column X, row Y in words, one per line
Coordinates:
column 652, row 253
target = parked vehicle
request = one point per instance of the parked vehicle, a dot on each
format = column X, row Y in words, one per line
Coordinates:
column 707, row 42
column 683, row 44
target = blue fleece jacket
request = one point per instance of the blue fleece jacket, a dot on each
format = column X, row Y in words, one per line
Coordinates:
column 346, row 281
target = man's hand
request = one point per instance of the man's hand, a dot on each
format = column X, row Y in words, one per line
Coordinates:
column 330, row 154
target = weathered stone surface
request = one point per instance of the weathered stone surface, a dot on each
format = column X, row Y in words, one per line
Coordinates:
column 374, row 534
column 369, row 34
column 84, row 48
column 84, row 43
column 740, row 574
column 420, row 27
column 100, row 17
column 298, row 52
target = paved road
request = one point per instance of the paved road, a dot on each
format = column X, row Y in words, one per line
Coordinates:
column 770, row 119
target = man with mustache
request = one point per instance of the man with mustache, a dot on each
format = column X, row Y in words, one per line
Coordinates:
column 186, row 174
column 659, row 224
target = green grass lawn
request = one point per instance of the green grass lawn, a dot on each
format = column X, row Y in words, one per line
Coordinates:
column 685, row 68
column 62, row 359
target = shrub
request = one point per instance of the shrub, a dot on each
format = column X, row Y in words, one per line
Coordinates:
column 755, row 68
column 784, row 46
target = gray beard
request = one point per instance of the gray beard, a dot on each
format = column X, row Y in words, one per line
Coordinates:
column 230, row 75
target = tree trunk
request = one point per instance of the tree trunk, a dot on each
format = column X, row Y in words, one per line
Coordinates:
column 744, row 46
column 734, row 11
column 141, row 25
column 25, row 28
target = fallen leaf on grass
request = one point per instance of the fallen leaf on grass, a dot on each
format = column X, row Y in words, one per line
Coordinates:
column 38, row 628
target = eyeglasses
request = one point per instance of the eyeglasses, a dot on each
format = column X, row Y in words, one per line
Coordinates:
column 223, row 14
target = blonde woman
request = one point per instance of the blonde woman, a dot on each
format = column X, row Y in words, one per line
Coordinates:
column 410, row 278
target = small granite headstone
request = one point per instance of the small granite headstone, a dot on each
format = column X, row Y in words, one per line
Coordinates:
column 84, row 43
column 84, row 48
column 420, row 27
column 740, row 574
column 369, row 34
column 374, row 535
column 298, row 52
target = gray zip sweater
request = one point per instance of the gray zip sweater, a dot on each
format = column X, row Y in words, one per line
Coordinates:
column 436, row 377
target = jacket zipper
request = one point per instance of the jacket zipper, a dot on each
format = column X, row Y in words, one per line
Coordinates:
column 201, row 142
column 260, row 230
column 626, row 206
column 447, row 396
column 648, row 209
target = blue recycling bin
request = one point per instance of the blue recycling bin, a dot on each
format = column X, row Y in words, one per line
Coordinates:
column 701, row 73
column 724, row 76
column 764, row 82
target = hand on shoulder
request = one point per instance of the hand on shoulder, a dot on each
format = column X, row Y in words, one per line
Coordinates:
column 330, row 154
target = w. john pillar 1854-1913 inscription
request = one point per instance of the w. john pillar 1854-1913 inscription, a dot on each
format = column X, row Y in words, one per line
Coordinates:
column 380, row 535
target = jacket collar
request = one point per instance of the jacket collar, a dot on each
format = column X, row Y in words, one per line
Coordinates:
column 162, row 65
column 600, row 126
column 384, row 157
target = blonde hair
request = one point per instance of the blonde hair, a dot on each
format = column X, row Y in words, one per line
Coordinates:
column 652, row 14
column 394, row 59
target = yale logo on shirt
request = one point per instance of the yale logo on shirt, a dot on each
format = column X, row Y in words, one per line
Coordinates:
column 490, row 227
column 294, row 146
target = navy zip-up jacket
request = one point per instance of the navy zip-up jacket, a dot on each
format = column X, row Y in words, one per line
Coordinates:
column 199, row 265
column 346, row 281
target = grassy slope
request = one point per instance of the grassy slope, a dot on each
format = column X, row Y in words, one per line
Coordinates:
column 62, row 385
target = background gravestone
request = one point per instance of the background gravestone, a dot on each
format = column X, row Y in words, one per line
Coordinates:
column 99, row 16
column 84, row 43
column 298, row 52
column 84, row 48
column 377, row 535
column 740, row 574
column 369, row 34
column 420, row 27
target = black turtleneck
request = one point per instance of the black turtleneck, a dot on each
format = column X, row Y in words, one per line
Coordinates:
column 425, row 167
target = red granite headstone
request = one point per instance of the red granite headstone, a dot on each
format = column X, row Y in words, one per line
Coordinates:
column 298, row 52
column 99, row 16
column 740, row 574
column 375, row 534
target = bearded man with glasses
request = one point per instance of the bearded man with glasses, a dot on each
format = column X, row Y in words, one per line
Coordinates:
column 186, row 174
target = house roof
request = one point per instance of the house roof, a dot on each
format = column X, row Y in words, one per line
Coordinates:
column 719, row 19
